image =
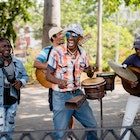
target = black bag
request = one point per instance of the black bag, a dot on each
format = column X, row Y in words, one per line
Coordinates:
column 8, row 99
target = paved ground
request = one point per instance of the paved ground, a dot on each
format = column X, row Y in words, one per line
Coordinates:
column 33, row 112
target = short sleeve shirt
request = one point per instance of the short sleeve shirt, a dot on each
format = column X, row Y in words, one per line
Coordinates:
column 44, row 54
column 66, row 68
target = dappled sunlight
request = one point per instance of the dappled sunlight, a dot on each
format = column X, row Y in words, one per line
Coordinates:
column 33, row 111
column 113, row 104
column 30, row 116
column 47, row 119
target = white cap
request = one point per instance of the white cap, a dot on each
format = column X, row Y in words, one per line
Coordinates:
column 54, row 30
column 77, row 28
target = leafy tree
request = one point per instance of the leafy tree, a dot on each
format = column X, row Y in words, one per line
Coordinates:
column 114, row 38
column 133, row 27
column 9, row 10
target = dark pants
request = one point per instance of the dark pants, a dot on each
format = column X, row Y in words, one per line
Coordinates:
column 50, row 99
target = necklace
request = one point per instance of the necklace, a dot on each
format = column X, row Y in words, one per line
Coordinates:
column 73, row 54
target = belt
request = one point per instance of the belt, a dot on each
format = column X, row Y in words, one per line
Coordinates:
column 72, row 91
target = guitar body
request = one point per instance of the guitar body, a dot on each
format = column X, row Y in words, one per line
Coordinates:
column 42, row 78
column 127, row 86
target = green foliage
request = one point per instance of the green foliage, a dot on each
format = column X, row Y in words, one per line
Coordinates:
column 115, row 41
column 134, row 3
column 29, row 66
column 9, row 10
column 133, row 27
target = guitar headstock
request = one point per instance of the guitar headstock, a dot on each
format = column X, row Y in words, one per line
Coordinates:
column 85, row 39
column 88, row 36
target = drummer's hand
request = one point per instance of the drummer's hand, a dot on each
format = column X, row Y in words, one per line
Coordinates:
column 90, row 71
column 133, row 84
column 62, row 84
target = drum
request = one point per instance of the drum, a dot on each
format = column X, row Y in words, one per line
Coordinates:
column 94, row 87
column 109, row 78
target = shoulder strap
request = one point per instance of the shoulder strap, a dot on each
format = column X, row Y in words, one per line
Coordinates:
column 49, row 52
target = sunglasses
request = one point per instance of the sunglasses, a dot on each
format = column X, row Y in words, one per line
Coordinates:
column 69, row 34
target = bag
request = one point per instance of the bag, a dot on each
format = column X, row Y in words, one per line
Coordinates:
column 8, row 99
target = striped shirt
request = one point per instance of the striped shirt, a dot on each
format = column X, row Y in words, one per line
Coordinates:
column 66, row 68
column 44, row 54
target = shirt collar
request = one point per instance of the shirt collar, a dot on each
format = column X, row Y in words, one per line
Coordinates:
column 66, row 52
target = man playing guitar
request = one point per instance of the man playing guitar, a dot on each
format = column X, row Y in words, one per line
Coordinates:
column 133, row 101
column 56, row 37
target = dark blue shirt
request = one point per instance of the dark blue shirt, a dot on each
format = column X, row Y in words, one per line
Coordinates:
column 132, row 60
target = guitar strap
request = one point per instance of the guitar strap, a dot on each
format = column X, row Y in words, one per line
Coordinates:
column 49, row 52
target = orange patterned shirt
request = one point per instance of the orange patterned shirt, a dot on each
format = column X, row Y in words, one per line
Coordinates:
column 66, row 68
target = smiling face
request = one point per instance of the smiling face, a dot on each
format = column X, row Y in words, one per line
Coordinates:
column 5, row 48
column 72, row 40
column 59, row 38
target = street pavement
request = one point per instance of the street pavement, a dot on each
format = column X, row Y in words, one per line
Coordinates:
column 33, row 112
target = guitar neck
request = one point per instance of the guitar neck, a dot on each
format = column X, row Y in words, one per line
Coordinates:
column 85, row 39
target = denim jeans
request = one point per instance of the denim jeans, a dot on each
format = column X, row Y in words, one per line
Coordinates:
column 7, row 119
column 62, row 115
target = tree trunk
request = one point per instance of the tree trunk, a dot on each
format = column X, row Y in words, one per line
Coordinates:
column 51, row 18
column 99, row 38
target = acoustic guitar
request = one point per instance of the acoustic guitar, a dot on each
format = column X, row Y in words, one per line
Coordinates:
column 126, row 84
column 40, row 75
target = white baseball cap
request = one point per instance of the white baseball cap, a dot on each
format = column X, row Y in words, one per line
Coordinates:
column 77, row 28
column 54, row 30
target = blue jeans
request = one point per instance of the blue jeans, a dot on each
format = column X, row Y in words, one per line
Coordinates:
column 62, row 115
column 7, row 119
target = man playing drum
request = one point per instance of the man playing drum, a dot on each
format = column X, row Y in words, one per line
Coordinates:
column 65, row 64
column 133, row 101
column 56, row 36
